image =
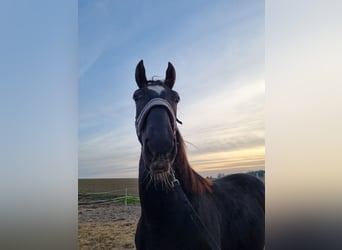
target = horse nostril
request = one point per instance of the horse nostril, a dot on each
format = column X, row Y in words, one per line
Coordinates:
column 159, row 152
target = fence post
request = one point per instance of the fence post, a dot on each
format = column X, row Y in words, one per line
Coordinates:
column 125, row 196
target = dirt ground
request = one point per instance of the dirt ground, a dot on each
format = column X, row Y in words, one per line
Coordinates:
column 107, row 226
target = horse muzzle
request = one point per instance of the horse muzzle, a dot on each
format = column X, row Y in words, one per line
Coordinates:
column 160, row 166
column 159, row 162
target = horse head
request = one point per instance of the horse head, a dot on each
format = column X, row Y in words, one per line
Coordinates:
column 156, row 110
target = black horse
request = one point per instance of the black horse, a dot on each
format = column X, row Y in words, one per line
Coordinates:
column 179, row 208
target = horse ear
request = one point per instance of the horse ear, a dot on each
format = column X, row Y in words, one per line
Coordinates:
column 170, row 76
column 140, row 74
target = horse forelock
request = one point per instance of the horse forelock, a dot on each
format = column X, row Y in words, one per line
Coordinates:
column 155, row 82
column 191, row 181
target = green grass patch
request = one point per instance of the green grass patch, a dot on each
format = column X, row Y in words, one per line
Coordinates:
column 130, row 199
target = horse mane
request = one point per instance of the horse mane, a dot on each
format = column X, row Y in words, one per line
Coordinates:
column 191, row 181
column 154, row 82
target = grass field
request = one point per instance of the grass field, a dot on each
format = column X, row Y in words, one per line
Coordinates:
column 107, row 225
column 105, row 185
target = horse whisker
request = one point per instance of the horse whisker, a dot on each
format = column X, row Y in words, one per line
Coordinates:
column 161, row 180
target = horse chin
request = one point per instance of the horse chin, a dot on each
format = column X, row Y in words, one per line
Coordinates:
column 161, row 175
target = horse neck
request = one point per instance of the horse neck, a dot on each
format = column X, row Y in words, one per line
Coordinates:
column 190, row 180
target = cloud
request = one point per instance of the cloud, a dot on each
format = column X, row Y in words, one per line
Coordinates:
column 109, row 154
column 225, row 126
column 218, row 54
column 229, row 113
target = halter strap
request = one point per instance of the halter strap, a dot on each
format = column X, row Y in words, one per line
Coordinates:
column 153, row 103
column 195, row 218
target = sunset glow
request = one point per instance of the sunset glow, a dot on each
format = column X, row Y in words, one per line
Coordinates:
column 229, row 162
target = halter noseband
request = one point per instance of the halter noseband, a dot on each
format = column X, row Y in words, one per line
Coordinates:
column 139, row 121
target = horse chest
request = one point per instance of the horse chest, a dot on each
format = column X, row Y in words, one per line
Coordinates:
column 170, row 222
column 171, row 234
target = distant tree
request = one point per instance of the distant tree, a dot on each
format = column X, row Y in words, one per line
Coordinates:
column 258, row 173
column 220, row 175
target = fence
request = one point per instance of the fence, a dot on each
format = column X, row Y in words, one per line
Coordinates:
column 112, row 196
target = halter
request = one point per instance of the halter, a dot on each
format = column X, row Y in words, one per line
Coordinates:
column 139, row 121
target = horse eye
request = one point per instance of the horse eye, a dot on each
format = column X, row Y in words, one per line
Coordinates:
column 175, row 97
column 137, row 96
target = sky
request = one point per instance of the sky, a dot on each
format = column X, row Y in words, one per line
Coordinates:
column 217, row 49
